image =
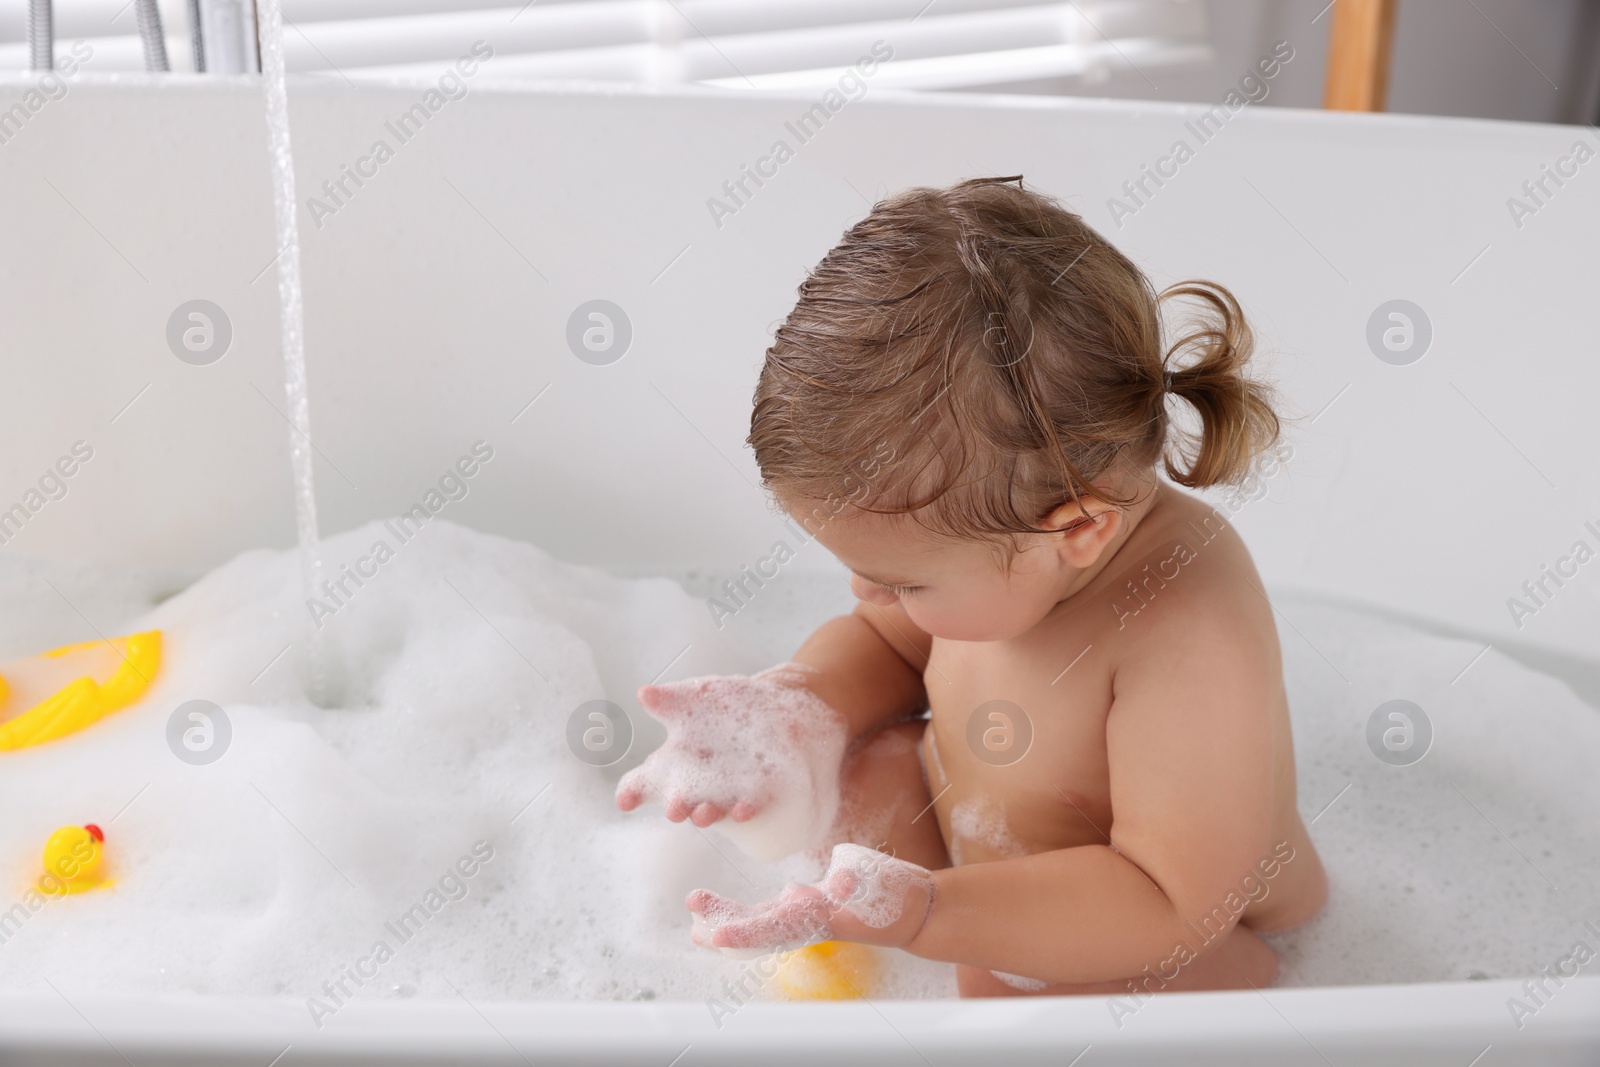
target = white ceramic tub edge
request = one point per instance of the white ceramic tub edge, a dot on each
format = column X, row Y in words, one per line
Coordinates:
column 1421, row 1025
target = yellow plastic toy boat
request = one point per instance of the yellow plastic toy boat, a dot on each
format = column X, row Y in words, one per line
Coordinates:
column 84, row 701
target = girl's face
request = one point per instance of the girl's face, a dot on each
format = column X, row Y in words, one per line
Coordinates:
column 956, row 590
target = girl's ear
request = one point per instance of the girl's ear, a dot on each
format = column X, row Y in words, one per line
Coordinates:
column 1082, row 529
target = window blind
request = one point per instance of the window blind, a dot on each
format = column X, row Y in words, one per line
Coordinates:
column 734, row 44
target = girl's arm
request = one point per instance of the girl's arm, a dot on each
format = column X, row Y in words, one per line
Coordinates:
column 1190, row 741
column 868, row 666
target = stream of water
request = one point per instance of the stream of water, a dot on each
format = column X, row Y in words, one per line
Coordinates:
column 292, row 324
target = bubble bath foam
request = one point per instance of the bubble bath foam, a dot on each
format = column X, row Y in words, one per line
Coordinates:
column 436, row 833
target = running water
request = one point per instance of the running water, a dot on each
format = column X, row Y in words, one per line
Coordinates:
column 292, row 322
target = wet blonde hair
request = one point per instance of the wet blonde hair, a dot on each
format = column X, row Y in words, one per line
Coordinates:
column 998, row 356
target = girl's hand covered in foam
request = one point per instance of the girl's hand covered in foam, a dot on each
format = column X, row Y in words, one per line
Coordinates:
column 762, row 752
column 867, row 896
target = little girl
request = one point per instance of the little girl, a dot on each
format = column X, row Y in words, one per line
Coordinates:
column 1069, row 766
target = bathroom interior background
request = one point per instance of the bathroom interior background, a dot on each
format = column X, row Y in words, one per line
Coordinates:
column 1489, row 59
column 1498, row 59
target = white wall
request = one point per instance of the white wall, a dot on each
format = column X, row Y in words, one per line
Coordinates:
column 437, row 301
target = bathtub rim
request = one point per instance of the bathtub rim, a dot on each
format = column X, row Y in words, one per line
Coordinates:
column 1393, row 1018
column 310, row 81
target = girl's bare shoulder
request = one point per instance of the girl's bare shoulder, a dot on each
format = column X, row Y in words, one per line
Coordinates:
column 1185, row 574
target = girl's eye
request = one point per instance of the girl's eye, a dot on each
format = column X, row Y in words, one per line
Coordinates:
column 902, row 590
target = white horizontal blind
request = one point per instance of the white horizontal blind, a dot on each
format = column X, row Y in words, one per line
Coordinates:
column 737, row 44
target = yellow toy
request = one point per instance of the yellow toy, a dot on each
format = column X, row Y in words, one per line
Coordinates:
column 84, row 701
column 73, row 861
column 828, row 970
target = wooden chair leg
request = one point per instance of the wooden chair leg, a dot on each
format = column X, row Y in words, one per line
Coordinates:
column 1359, row 41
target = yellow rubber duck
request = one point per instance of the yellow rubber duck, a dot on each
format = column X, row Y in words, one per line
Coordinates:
column 84, row 701
column 74, row 861
column 828, row 970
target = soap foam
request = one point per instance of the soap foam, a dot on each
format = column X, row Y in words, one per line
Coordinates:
column 979, row 821
column 449, row 734
column 1017, row 981
column 280, row 866
column 764, row 740
column 783, row 928
column 860, row 882
column 879, row 883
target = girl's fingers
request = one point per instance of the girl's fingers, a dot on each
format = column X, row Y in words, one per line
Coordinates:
column 664, row 701
column 677, row 808
column 754, row 934
column 724, row 937
column 631, row 793
column 798, row 916
column 701, row 900
column 782, row 926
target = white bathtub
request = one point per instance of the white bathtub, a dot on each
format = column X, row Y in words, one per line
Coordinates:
column 437, row 300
